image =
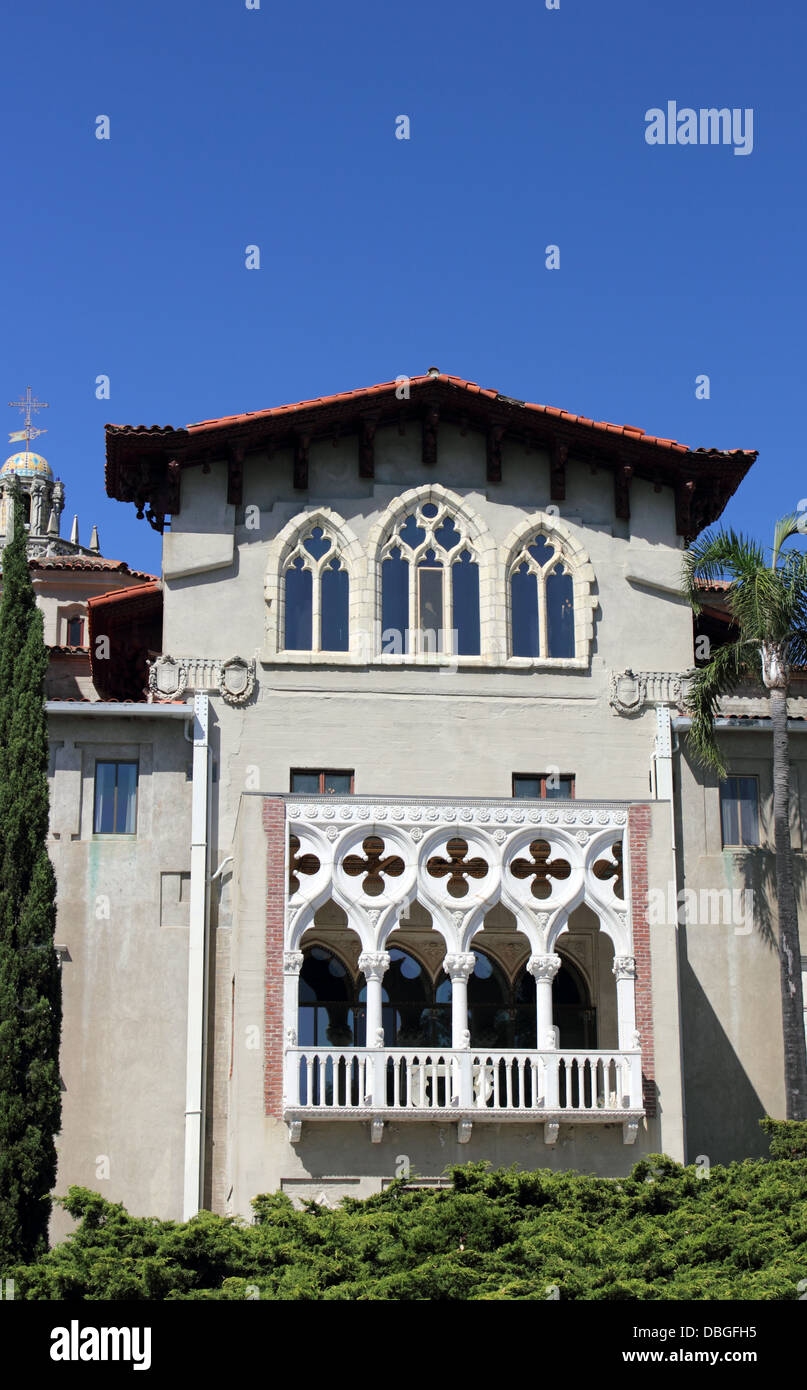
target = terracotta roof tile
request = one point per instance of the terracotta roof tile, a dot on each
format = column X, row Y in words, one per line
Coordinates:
column 86, row 562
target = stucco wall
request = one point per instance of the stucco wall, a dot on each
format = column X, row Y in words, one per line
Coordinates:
column 124, row 973
column 732, row 1029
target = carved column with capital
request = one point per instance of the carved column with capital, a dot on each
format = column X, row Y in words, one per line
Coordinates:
column 624, row 969
column 292, row 965
column 374, row 966
column 545, row 968
column 459, row 969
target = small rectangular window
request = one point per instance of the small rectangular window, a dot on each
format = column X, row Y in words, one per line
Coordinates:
column 115, row 798
column 739, row 810
column 543, row 786
column 315, row 783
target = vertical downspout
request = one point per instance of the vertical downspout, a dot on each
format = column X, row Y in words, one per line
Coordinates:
column 665, row 791
column 194, row 1077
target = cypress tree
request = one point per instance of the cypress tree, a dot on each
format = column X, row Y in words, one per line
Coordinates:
column 30, row 987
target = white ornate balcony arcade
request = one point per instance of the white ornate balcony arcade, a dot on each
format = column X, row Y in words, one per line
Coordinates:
column 375, row 862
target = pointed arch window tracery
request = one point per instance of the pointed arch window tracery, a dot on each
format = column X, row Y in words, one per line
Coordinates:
column 542, row 616
column 316, row 591
column 430, row 584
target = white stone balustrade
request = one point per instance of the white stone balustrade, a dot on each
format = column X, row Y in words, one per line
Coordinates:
column 468, row 1084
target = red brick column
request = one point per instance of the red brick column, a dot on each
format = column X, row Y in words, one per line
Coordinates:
column 638, row 832
column 274, row 823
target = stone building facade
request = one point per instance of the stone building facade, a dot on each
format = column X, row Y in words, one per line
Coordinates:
column 383, row 870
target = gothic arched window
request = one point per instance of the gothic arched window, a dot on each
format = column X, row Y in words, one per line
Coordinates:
column 316, row 595
column 430, row 585
column 541, row 600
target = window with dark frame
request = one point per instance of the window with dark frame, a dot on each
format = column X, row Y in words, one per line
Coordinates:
column 313, row 782
column 115, row 811
column 543, row 786
column 739, row 811
column 75, row 632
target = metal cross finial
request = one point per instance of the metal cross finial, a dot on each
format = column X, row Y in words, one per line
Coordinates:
column 27, row 404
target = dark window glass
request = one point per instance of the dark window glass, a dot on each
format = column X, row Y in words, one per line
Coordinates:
column 447, row 535
column 298, row 607
column 542, row 786
column 465, row 594
column 115, row 798
column 315, row 783
column 559, row 788
column 334, row 611
column 75, row 632
column 739, row 810
column 327, row 1014
column 524, row 592
column 337, row 783
column 489, row 1017
column 317, row 543
column 394, row 602
column 560, row 613
column 305, row 783
column 413, row 534
column 541, row 550
column 430, row 604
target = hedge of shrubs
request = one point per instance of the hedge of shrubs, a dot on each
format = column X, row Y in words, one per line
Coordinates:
column 664, row 1232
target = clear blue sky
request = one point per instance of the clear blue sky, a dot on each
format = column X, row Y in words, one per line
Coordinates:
column 381, row 256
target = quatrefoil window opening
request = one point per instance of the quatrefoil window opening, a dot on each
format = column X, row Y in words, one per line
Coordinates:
column 299, row 864
column 374, row 867
column 457, row 868
column 612, row 868
column 316, row 595
column 541, row 600
column 540, row 867
column 430, row 585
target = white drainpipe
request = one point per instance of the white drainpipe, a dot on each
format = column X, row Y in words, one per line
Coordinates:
column 195, row 1078
column 665, row 791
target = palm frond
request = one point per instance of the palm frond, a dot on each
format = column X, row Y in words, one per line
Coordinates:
column 787, row 526
column 718, row 555
column 728, row 667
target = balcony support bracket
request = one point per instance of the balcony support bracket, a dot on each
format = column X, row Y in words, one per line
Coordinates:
column 464, row 1128
column 295, row 1130
column 376, row 1131
column 551, row 1128
column 630, row 1129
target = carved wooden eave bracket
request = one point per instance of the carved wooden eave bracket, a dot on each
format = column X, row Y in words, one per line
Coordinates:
column 144, row 462
column 623, row 475
column 235, row 474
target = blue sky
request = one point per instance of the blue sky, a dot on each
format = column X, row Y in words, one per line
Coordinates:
column 380, row 256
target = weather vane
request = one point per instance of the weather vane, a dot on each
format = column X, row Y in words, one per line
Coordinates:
column 26, row 405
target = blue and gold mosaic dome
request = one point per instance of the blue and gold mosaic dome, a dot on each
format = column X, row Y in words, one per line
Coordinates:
column 28, row 466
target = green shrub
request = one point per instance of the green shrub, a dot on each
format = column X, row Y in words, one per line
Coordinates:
column 788, row 1137
column 663, row 1232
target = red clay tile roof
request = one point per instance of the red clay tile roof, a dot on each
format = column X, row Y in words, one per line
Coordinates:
column 85, row 562
column 144, row 462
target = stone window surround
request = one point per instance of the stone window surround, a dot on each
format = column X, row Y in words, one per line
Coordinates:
column 65, row 613
column 364, row 572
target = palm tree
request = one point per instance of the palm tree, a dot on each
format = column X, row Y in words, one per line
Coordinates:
column 767, row 601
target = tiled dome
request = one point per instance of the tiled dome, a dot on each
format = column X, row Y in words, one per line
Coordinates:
column 27, row 465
